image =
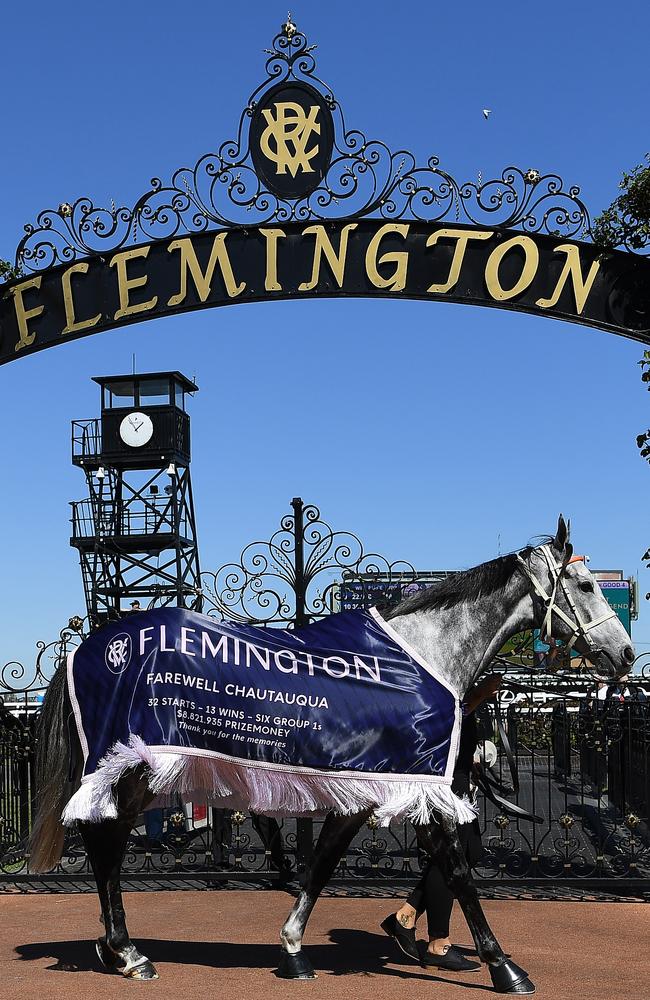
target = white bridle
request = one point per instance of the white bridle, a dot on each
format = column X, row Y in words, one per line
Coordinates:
column 579, row 628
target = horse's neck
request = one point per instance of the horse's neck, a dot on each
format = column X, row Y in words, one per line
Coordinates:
column 460, row 642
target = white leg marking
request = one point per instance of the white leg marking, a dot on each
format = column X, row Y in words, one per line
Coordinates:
column 293, row 930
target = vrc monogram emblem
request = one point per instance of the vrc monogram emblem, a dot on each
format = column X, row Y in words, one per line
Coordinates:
column 291, row 139
column 118, row 653
column 285, row 138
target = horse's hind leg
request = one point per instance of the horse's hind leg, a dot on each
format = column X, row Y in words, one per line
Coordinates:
column 105, row 844
column 441, row 843
column 335, row 836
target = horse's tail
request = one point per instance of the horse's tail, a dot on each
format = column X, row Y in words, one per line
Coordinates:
column 55, row 777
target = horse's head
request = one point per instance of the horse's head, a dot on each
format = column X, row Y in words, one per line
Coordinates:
column 569, row 605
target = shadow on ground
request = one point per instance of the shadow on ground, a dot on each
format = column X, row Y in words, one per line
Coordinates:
column 352, row 952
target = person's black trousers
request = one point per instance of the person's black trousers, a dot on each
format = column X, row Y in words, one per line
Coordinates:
column 431, row 894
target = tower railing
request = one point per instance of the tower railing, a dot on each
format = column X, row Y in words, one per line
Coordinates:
column 86, row 439
column 99, row 518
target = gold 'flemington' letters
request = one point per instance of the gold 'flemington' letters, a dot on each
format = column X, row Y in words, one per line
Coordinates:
column 125, row 283
column 385, row 269
column 203, row 282
column 23, row 315
column 572, row 269
column 72, row 324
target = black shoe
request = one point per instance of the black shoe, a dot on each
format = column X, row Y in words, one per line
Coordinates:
column 453, row 960
column 403, row 936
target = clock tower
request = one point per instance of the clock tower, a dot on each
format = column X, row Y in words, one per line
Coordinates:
column 136, row 530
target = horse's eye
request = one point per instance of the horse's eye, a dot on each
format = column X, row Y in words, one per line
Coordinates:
column 587, row 587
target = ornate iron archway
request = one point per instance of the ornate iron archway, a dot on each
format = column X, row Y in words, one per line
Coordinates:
column 299, row 205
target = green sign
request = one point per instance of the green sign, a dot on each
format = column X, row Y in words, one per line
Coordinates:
column 617, row 595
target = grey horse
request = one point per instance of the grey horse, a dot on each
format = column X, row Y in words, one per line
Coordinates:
column 459, row 626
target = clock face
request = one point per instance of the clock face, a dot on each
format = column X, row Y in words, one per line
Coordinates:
column 136, row 429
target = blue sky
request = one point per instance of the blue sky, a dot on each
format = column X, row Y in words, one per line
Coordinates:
column 438, row 433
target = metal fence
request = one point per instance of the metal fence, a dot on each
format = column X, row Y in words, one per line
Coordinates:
column 585, row 773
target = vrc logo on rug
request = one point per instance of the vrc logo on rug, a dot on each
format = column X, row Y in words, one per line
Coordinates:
column 118, row 653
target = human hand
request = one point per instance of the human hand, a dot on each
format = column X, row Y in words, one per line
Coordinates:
column 484, row 689
column 490, row 685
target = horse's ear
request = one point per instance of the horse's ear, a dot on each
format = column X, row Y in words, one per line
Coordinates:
column 568, row 554
column 561, row 535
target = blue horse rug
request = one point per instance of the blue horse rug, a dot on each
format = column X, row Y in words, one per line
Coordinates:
column 341, row 715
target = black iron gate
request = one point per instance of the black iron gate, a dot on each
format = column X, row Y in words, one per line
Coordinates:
column 21, row 695
column 583, row 761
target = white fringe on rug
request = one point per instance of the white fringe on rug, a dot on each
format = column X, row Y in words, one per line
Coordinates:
column 263, row 789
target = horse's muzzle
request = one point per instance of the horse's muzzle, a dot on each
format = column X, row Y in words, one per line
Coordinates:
column 616, row 669
column 627, row 656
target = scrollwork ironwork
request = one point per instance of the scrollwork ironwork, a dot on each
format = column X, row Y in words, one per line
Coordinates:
column 299, row 574
column 17, row 679
column 364, row 178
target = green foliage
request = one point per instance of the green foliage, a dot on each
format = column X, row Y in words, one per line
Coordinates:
column 8, row 272
column 643, row 440
column 627, row 220
column 627, row 223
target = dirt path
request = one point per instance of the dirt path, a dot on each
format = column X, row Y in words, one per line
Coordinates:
column 226, row 943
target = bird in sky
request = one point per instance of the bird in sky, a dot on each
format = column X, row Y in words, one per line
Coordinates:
column 486, row 113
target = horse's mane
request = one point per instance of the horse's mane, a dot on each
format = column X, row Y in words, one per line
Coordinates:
column 464, row 586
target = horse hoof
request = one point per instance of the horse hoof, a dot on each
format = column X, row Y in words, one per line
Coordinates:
column 295, row 966
column 510, row 978
column 524, row 987
column 143, row 970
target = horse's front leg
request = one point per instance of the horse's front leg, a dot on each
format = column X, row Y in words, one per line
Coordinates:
column 441, row 842
column 335, row 836
column 105, row 844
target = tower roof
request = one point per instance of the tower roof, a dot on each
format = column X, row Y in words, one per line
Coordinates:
column 183, row 380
